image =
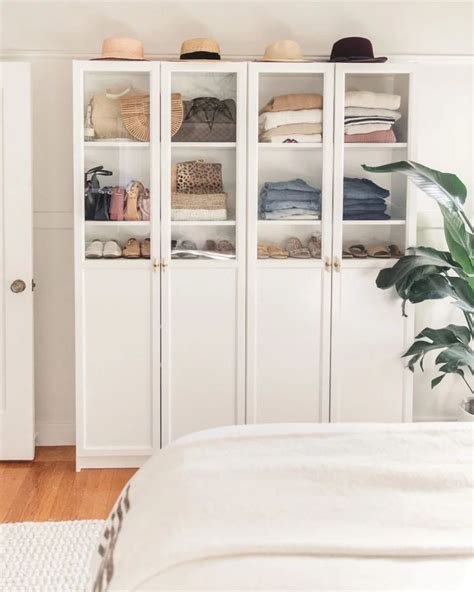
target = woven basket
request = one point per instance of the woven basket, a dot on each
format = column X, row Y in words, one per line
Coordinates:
column 135, row 112
column 198, row 201
column 177, row 112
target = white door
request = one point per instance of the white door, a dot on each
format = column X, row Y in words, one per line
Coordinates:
column 16, row 266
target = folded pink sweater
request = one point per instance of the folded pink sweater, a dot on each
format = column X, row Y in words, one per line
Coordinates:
column 385, row 136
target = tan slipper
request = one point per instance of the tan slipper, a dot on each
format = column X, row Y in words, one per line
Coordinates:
column 277, row 252
column 378, row 252
column 131, row 249
column 314, row 246
column 145, row 248
column 262, row 251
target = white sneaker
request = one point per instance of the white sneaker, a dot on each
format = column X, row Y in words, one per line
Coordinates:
column 95, row 250
column 112, row 250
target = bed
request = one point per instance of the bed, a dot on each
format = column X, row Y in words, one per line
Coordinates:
column 297, row 507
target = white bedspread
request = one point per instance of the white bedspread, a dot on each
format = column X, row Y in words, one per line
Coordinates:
column 307, row 507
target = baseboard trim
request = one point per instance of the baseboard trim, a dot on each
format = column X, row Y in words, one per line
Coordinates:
column 110, row 462
column 55, row 433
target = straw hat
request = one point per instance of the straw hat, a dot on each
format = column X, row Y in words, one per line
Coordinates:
column 200, row 49
column 121, row 48
column 283, row 51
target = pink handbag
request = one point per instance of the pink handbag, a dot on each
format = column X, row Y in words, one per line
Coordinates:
column 144, row 204
column 116, row 203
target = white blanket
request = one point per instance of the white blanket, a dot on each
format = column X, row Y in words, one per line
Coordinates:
column 372, row 100
column 320, row 507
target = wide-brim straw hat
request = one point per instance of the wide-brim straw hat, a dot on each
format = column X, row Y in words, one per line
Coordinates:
column 135, row 111
column 200, row 49
column 122, row 48
column 283, row 51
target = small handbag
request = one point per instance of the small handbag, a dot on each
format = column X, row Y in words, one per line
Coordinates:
column 102, row 204
column 92, row 192
column 144, row 204
column 117, row 202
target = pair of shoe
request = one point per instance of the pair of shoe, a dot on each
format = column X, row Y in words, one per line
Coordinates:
column 112, row 250
column 293, row 248
column 374, row 251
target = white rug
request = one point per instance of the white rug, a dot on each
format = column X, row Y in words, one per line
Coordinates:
column 47, row 556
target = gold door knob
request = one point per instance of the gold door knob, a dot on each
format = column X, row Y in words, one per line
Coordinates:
column 337, row 264
column 18, row 286
column 327, row 264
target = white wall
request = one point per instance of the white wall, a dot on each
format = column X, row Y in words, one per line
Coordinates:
column 49, row 34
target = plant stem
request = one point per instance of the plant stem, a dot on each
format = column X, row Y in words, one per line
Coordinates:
column 469, row 322
column 468, row 385
column 466, row 220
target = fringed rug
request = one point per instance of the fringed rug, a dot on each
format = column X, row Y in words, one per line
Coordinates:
column 47, row 556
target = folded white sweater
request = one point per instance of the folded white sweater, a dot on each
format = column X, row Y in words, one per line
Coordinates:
column 372, row 100
column 270, row 120
column 364, row 112
column 366, row 128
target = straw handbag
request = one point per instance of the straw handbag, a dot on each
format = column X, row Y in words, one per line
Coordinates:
column 135, row 112
column 177, row 112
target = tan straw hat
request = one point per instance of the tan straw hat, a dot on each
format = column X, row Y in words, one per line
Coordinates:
column 121, row 48
column 200, row 49
column 283, row 51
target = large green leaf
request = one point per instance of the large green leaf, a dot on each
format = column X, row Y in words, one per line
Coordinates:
column 447, row 189
column 460, row 242
column 455, row 357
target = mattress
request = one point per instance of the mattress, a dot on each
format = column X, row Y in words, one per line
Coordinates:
column 298, row 507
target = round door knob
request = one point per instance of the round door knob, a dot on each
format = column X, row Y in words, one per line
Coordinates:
column 18, row 286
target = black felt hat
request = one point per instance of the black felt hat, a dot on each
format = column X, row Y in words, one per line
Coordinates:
column 354, row 49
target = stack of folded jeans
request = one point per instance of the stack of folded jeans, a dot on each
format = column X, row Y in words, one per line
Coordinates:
column 369, row 116
column 292, row 119
column 364, row 200
column 286, row 200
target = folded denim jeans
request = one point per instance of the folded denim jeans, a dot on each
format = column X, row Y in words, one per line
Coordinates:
column 363, row 188
column 289, row 214
column 350, row 201
column 291, row 185
column 366, row 216
column 362, row 209
column 274, row 205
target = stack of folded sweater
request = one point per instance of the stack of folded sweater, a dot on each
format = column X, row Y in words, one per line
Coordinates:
column 294, row 199
column 292, row 118
column 364, row 200
column 369, row 116
column 197, row 191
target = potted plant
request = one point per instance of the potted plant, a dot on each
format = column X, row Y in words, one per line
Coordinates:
column 426, row 273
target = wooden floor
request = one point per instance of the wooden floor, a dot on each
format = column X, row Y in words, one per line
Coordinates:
column 49, row 488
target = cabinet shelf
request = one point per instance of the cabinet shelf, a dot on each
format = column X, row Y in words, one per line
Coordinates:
column 374, row 222
column 290, row 146
column 213, row 145
column 119, row 223
column 203, row 223
column 119, row 263
column 375, row 145
column 118, row 144
column 289, row 222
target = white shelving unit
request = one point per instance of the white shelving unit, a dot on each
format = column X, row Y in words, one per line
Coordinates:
column 166, row 346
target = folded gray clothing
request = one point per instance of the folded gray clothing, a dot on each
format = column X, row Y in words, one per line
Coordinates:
column 274, row 205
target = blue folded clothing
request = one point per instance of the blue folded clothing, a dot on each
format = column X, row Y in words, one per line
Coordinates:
column 350, row 201
column 296, row 189
column 291, row 185
column 361, row 209
column 366, row 216
column 273, row 205
column 363, row 189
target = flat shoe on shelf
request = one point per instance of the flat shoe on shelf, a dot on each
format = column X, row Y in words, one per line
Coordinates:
column 211, row 245
column 225, row 246
column 378, row 252
column 112, row 250
column 277, row 252
column 346, row 254
column 188, row 245
column 145, row 248
column 95, row 250
column 131, row 249
column 295, row 249
column 358, row 251
column 262, row 251
column 395, row 251
column 314, row 246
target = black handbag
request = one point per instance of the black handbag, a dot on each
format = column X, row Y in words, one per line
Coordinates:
column 96, row 200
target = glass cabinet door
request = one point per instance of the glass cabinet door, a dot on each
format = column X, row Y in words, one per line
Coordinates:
column 118, row 195
column 204, row 195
